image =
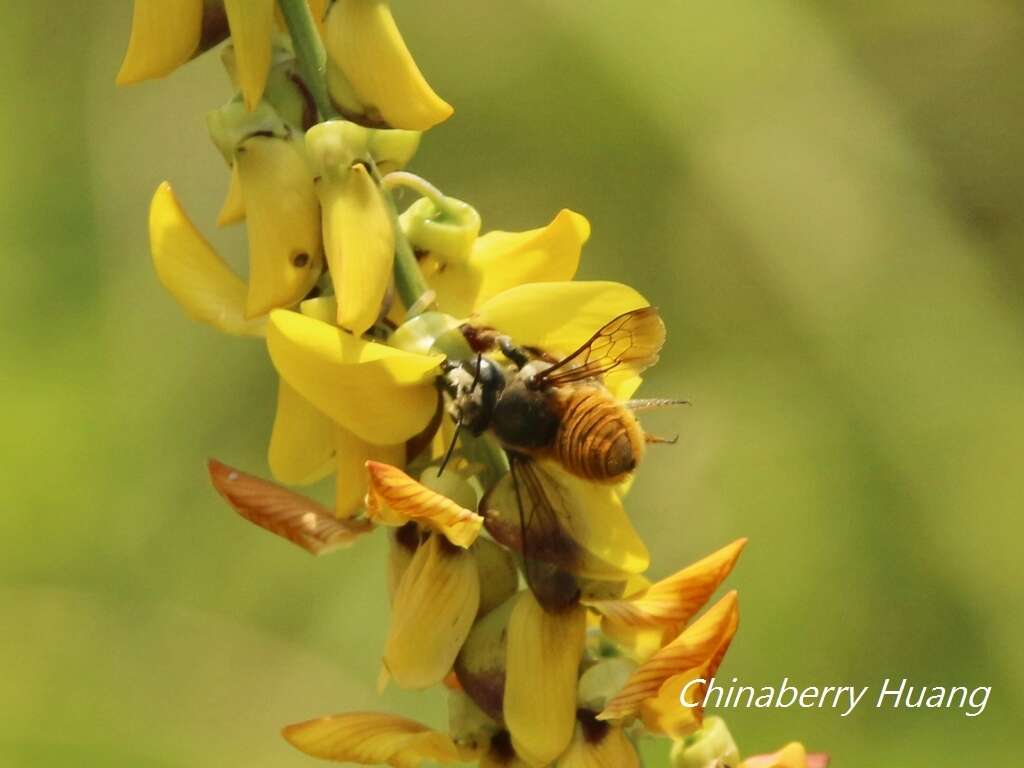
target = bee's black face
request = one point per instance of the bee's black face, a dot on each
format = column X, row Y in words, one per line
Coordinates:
column 475, row 386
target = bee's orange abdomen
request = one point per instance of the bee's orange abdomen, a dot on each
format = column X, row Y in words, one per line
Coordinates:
column 598, row 439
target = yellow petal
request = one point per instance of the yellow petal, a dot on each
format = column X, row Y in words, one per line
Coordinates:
column 395, row 499
column 252, row 26
column 599, row 745
column 673, row 601
column 352, row 455
column 363, row 41
column 382, row 394
column 433, row 611
column 282, row 221
column 302, row 449
column 285, row 513
column 165, row 34
column 192, row 272
column 543, row 658
column 500, row 753
column 547, row 254
column 699, row 649
column 557, row 317
column 233, row 209
column 360, row 244
column 601, row 542
column 371, row 738
column 793, row 755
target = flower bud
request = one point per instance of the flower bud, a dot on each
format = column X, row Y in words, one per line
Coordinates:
column 372, row 72
column 499, row 578
column 450, row 484
column 420, row 334
column 358, row 236
column 709, row 747
column 468, row 725
column 602, row 681
column 447, row 235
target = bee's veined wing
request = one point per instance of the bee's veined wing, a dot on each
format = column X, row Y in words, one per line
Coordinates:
column 630, row 342
column 285, row 513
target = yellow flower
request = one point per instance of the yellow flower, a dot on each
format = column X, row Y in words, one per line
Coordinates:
column 466, row 270
column 653, row 690
column 657, row 613
column 167, row 33
column 396, row 499
column 372, row 738
column 283, row 222
column 793, row 755
column 381, row 394
column 192, row 272
column 434, row 605
column 371, row 72
column 543, row 657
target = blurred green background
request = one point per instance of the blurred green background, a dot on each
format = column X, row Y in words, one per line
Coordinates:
column 824, row 198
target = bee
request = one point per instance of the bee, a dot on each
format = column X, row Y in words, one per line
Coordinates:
column 556, row 417
column 561, row 410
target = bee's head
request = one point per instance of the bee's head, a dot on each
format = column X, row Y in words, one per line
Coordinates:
column 473, row 386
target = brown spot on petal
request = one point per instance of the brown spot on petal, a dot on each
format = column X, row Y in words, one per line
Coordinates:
column 594, row 730
column 300, row 260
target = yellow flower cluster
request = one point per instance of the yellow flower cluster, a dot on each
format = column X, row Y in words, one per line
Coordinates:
column 468, row 395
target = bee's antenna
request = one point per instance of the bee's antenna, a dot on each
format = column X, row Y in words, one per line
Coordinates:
column 476, row 374
column 451, row 447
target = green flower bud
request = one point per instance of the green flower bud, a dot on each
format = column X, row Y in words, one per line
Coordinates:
column 232, row 124
column 599, row 684
column 468, row 725
column 454, row 486
column 448, row 234
column 499, row 578
column 419, row 334
column 710, row 747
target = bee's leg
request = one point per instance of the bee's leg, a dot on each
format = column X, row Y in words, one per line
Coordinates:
column 650, row 439
column 649, row 404
column 518, row 357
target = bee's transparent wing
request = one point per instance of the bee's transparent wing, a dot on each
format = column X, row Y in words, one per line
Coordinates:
column 631, row 341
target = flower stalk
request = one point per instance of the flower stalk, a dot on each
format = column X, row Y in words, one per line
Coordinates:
column 309, row 53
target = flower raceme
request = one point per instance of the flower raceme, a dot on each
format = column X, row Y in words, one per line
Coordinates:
column 380, row 326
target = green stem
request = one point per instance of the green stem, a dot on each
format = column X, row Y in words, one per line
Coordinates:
column 309, row 53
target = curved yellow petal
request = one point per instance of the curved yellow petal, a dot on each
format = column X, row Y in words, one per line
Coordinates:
column 232, row 210
column 302, row 449
column 599, row 745
column 360, row 245
column 547, row 254
column 252, row 27
column 285, row 513
column 192, row 272
column 363, row 41
column 557, row 317
column 383, row 395
column 165, row 34
column 543, row 658
column 696, row 652
column 432, row 614
column 673, row 601
column 395, row 499
column 282, row 221
column 352, row 455
column 372, row 738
